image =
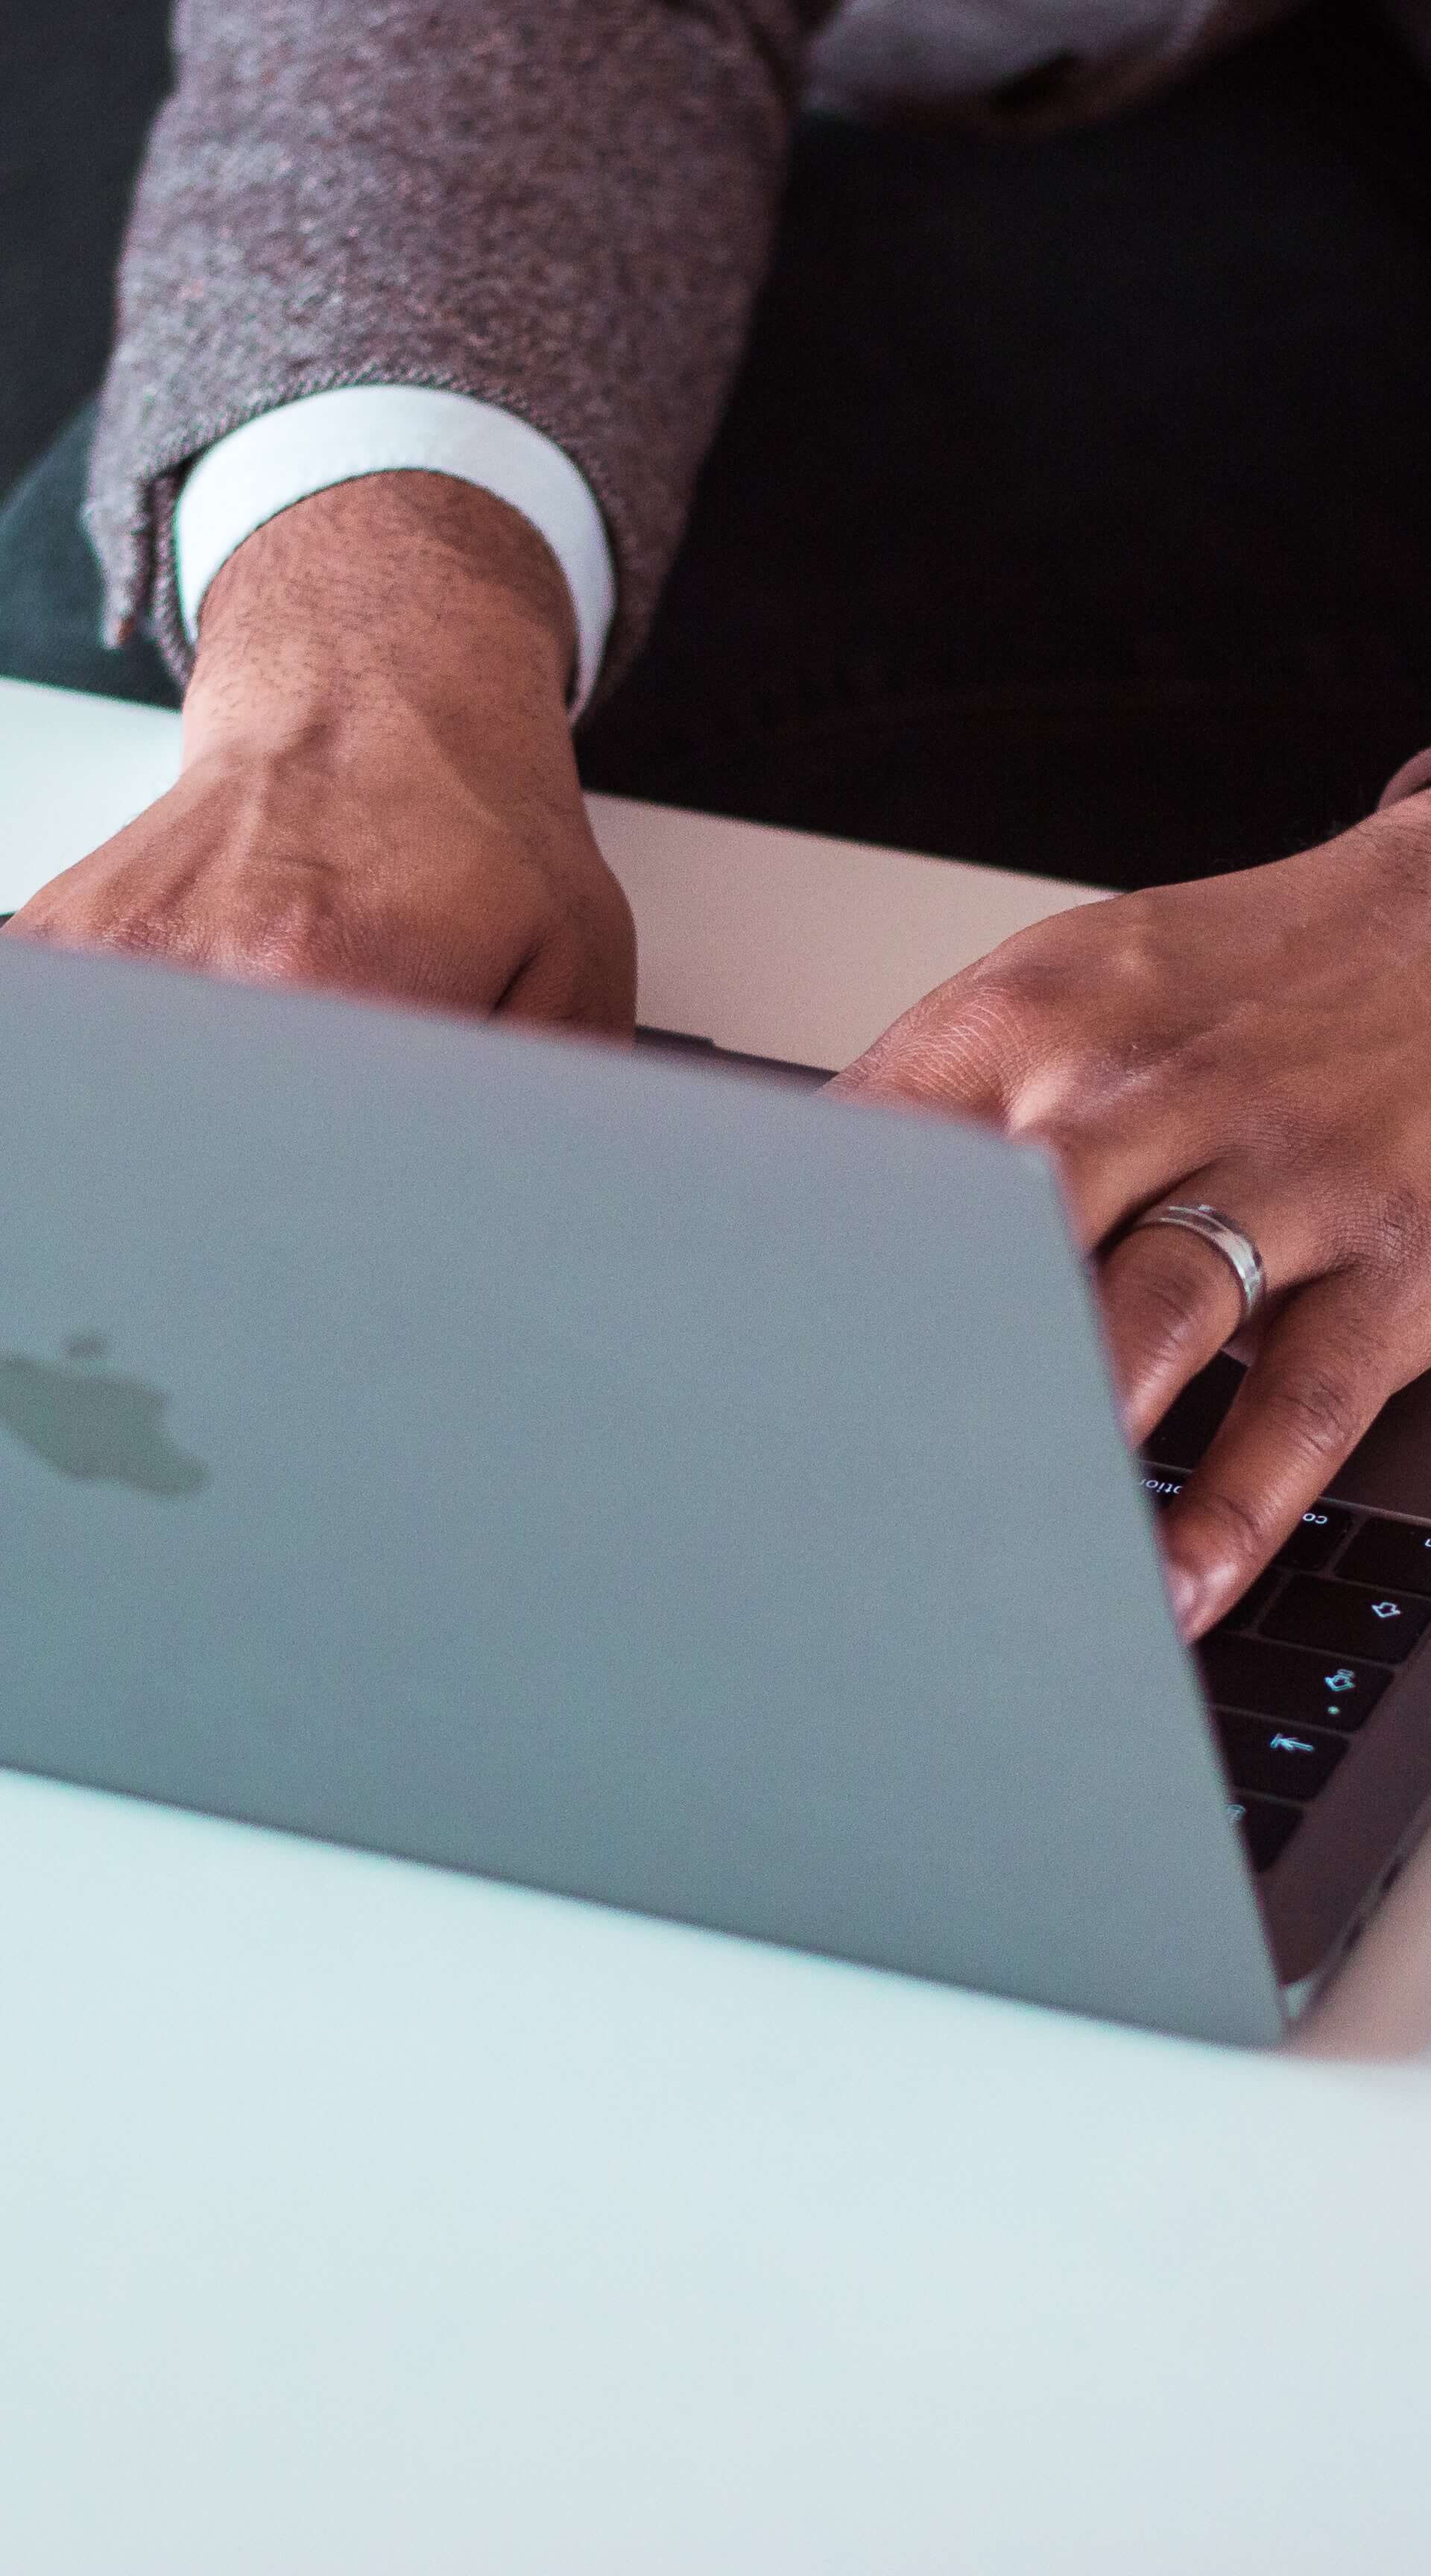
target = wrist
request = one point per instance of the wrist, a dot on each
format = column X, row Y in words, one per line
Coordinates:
column 401, row 604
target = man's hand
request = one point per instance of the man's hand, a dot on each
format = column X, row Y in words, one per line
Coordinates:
column 378, row 790
column 1260, row 1042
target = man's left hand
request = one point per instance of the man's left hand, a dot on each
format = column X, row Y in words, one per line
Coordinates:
column 1261, row 1043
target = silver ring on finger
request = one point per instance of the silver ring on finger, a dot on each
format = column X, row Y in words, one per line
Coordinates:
column 1236, row 1247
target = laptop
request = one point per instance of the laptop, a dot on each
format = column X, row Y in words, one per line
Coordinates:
column 672, row 1491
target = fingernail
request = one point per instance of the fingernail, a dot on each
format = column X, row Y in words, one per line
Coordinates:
column 1186, row 1594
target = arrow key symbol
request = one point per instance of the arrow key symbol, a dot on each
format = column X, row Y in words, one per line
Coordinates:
column 1343, row 1620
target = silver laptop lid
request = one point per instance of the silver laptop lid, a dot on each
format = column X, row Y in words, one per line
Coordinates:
column 595, row 1474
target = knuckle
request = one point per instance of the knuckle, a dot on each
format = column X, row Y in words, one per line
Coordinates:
column 1402, row 1231
column 1027, row 1042
column 141, row 936
column 1002, row 1010
column 290, row 951
column 301, row 934
column 1243, row 1527
column 974, row 1038
column 1119, row 938
column 1131, row 957
column 127, row 935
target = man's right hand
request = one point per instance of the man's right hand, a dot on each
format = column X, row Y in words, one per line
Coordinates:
column 378, row 791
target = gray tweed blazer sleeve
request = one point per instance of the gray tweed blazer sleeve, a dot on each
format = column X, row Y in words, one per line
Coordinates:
column 562, row 206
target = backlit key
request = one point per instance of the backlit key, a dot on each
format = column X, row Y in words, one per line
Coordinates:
column 1267, row 1827
column 1277, row 1761
column 1317, row 1536
column 1394, row 1555
column 1270, row 1680
column 1346, row 1618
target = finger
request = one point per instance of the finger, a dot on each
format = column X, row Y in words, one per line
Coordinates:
column 1171, row 1300
column 1326, row 1366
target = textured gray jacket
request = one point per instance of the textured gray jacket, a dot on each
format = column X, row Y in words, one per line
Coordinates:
column 561, row 206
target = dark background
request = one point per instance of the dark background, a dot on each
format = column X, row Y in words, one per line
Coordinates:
column 79, row 82
column 1073, row 509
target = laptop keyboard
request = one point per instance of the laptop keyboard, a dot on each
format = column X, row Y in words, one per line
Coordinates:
column 1297, row 1667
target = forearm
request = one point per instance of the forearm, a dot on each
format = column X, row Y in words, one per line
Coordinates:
column 560, row 206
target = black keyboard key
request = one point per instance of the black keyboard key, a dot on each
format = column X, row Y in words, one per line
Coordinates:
column 1394, row 1555
column 1346, row 1618
column 1275, row 1761
column 1267, row 1827
column 1318, row 1534
column 1286, row 1681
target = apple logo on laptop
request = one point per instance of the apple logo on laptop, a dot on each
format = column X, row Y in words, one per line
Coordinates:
column 89, row 1424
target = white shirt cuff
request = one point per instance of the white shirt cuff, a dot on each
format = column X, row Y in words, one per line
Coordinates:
column 306, row 446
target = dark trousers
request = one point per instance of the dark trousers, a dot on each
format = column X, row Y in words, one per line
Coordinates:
column 1073, row 510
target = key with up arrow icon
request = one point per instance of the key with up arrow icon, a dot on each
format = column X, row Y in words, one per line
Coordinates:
column 1346, row 1618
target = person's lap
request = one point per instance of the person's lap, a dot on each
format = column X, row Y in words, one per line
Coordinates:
column 1071, row 511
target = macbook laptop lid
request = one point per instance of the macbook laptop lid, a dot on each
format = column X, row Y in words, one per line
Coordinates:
column 518, row 1456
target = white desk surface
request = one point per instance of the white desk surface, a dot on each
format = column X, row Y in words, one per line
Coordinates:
column 361, row 2218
